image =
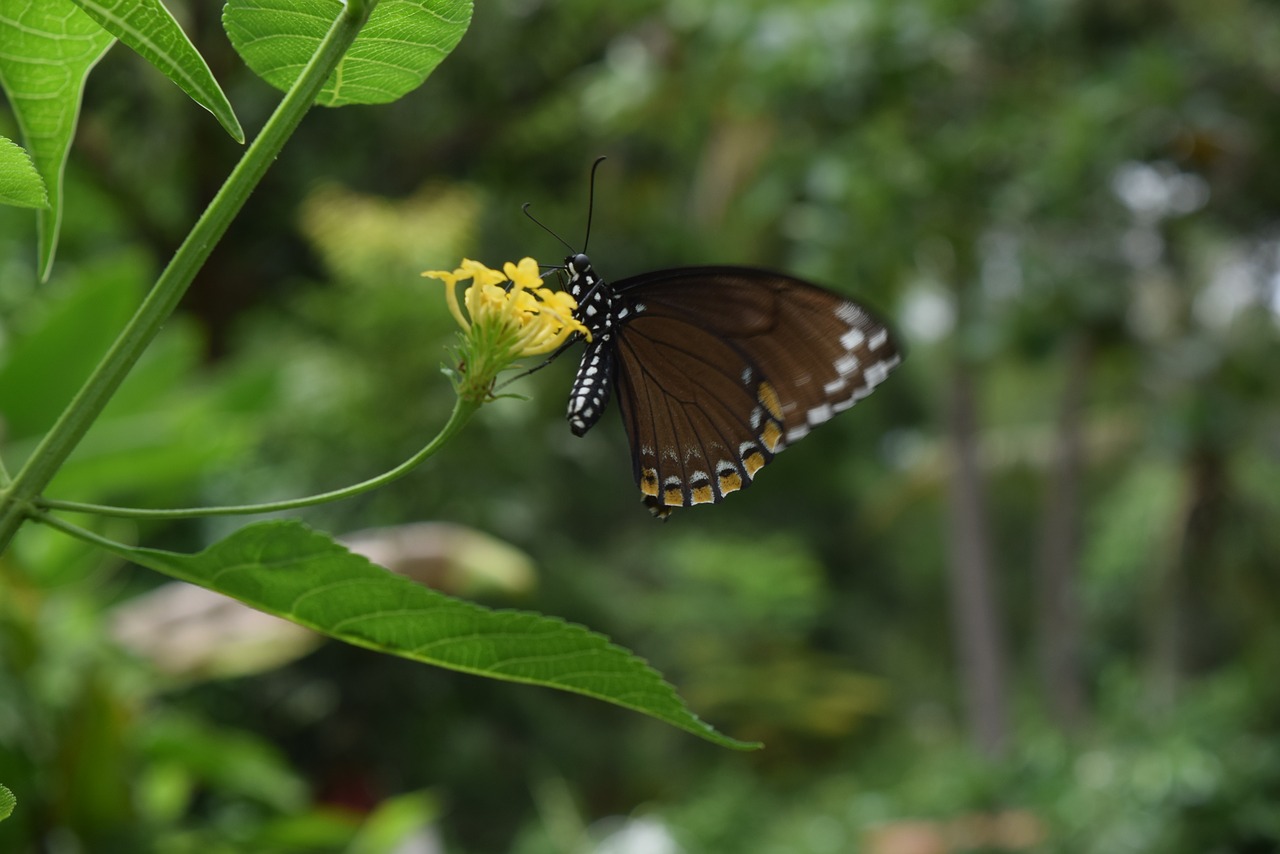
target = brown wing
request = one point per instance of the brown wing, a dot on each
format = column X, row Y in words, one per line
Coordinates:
column 721, row 367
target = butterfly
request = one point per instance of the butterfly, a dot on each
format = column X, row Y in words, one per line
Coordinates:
column 716, row 369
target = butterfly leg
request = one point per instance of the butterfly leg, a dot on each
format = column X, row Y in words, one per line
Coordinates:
column 573, row 339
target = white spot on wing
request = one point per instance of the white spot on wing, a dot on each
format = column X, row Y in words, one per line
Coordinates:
column 795, row 434
column 849, row 313
column 817, row 415
column 846, row 364
column 851, row 339
column 876, row 374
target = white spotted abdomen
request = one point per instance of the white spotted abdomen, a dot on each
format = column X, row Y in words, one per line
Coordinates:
column 592, row 386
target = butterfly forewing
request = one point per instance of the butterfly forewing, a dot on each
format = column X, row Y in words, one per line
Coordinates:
column 720, row 367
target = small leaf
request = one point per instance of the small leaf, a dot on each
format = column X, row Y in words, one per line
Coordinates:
column 7, row 802
column 148, row 28
column 49, row 48
column 287, row 569
column 401, row 44
column 20, row 183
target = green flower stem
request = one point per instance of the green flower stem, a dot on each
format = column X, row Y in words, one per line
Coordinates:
column 76, row 531
column 462, row 411
column 18, row 499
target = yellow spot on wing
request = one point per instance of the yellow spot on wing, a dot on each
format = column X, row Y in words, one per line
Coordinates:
column 769, row 398
column 771, row 436
column 673, row 496
column 703, row 494
column 730, row 483
column 649, row 482
column 754, row 461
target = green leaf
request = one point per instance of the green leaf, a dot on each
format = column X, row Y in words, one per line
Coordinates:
column 20, row 183
column 148, row 28
column 401, row 44
column 7, row 802
column 49, row 48
column 392, row 824
column 292, row 571
column 224, row 761
column 48, row 361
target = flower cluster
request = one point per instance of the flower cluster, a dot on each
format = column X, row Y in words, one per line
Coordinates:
column 509, row 314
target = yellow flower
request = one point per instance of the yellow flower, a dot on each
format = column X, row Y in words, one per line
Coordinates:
column 504, row 322
column 525, row 274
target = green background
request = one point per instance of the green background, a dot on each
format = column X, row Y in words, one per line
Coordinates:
column 1068, row 209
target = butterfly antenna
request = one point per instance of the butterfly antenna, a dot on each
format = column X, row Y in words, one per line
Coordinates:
column 525, row 208
column 591, row 200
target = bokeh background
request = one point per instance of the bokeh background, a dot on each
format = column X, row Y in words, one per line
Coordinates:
column 1023, row 598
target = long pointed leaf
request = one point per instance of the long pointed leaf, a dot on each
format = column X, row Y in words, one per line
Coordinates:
column 148, row 28
column 401, row 44
column 292, row 571
column 49, row 48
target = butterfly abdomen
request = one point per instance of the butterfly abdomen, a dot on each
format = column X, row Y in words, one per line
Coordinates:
column 592, row 386
column 596, row 310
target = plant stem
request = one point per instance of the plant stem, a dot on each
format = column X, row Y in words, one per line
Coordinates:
column 89, row 402
column 76, row 531
column 462, row 410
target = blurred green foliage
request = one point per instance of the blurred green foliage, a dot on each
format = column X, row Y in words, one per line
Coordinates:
column 1006, row 180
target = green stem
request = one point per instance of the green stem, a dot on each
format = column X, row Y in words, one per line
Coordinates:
column 88, row 404
column 462, row 410
column 78, row 532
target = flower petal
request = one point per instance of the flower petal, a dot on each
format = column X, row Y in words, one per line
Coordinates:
column 479, row 273
column 525, row 274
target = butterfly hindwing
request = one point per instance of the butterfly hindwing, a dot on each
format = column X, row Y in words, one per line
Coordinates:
column 720, row 367
column 688, row 413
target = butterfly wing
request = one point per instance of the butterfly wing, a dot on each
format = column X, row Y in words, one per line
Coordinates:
column 719, row 368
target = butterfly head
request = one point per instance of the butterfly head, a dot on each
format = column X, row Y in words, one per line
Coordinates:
column 579, row 268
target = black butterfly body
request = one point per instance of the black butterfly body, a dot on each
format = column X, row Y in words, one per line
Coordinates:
column 717, row 369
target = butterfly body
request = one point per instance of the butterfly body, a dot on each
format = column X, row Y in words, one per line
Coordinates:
column 717, row 369
column 598, row 312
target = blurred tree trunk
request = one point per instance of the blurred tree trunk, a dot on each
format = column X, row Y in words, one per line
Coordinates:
column 1058, row 622
column 1192, row 536
column 975, row 616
